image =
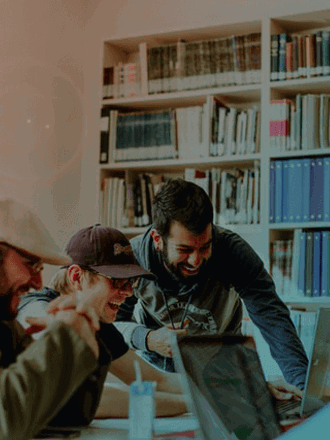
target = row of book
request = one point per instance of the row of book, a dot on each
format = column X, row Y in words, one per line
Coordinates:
column 128, row 204
column 299, row 190
column 123, row 80
column 300, row 266
column 187, row 65
column 211, row 129
column 301, row 123
column 235, row 193
column 302, row 55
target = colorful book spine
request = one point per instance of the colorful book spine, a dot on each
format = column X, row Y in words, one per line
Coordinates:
column 272, row 192
column 306, row 164
column 283, row 38
column 316, row 190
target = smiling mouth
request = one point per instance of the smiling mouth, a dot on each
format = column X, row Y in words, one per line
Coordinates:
column 114, row 306
column 190, row 271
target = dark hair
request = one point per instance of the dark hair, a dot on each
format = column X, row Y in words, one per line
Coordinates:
column 183, row 202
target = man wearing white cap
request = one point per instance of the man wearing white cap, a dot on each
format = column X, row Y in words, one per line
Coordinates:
column 31, row 371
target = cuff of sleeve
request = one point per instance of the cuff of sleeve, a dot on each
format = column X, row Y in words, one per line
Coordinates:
column 139, row 338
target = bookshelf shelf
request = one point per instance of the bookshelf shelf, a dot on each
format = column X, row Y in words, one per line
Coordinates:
column 248, row 93
column 302, row 225
column 235, row 90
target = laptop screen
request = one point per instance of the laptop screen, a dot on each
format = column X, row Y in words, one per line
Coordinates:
column 225, row 372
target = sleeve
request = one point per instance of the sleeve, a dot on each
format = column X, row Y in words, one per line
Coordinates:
column 257, row 289
column 135, row 334
column 39, row 383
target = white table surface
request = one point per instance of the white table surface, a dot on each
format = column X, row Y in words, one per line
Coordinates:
column 117, row 429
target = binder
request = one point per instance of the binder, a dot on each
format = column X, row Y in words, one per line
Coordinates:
column 306, row 163
column 316, row 272
column 302, row 264
column 316, row 189
column 272, row 192
column 309, row 264
column 326, row 189
column 324, row 263
column 278, row 191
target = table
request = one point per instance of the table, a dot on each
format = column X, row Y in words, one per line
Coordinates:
column 117, row 429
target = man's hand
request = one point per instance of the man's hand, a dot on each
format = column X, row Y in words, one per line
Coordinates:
column 284, row 391
column 159, row 340
column 70, row 317
column 81, row 302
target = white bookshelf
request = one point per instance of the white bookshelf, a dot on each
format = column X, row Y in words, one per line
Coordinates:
column 127, row 49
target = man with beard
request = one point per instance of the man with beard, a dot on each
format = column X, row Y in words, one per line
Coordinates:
column 30, row 372
column 203, row 274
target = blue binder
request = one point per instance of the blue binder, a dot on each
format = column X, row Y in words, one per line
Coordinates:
column 272, row 192
column 326, row 189
column 306, row 188
column 316, row 274
column 278, row 191
column 301, row 264
column 325, row 263
column 285, row 190
column 316, row 190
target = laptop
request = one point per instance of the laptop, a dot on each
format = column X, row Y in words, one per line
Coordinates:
column 228, row 392
column 223, row 376
column 317, row 389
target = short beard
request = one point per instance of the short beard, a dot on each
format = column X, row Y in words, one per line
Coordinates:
column 175, row 271
column 6, row 295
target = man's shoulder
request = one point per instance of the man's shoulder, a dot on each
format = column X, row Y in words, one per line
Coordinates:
column 44, row 295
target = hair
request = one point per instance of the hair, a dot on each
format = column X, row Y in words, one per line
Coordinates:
column 183, row 202
column 60, row 281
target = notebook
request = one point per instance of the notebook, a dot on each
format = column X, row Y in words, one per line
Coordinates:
column 228, row 392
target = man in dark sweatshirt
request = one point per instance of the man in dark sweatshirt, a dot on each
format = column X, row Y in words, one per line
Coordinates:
column 204, row 272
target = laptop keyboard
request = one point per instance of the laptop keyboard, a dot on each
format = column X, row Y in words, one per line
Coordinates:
column 282, row 406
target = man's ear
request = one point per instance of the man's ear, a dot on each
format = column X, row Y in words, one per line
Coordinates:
column 158, row 241
column 75, row 273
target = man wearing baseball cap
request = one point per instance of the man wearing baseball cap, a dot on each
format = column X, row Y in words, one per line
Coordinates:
column 103, row 273
column 31, row 371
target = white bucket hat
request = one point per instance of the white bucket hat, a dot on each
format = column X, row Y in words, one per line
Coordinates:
column 22, row 229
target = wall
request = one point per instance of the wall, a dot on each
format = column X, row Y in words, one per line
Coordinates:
column 41, row 107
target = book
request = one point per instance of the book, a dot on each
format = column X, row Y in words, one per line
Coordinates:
column 326, row 189
column 274, row 44
column 295, row 195
column 309, row 264
column 306, row 164
column 296, row 249
column 285, row 189
column 143, row 64
column 318, row 53
column 278, row 191
column 324, row 121
column 325, row 52
column 316, row 272
column 316, row 190
column 302, row 264
column 283, row 39
column 272, row 176
column 324, row 263
column 104, row 135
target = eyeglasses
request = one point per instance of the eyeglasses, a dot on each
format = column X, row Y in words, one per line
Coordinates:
column 117, row 283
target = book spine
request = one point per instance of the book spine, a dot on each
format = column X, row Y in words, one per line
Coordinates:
column 278, row 191
column 324, row 263
column 318, row 42
column 302, row 264
column 316, row 283
column 316, row 190
column 285, row 195
column 309, row 264
column 325, row 53
column 306, row 163
column 104, row 136
column 274, row 57
column 326, row 189
column 272, row 192
column 282, row 56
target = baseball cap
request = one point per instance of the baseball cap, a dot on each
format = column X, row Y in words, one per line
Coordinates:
column 107, row 251
column 21, row 228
